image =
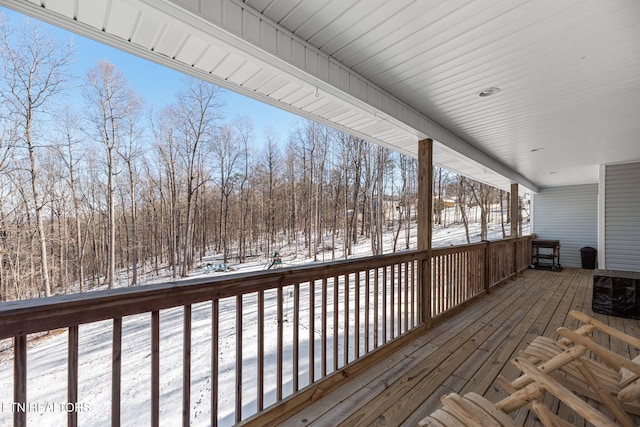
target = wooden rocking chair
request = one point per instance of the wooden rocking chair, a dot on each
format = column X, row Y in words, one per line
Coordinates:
column 473, row 410
column 615, row 382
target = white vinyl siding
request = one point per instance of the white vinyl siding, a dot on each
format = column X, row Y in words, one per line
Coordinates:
column 622, row 217
column 568, row 214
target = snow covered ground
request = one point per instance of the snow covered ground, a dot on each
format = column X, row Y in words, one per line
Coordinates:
column 47, row 359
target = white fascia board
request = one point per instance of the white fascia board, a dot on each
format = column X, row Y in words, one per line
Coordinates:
column 327, row 75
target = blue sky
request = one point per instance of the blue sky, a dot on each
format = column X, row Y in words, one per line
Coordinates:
column 160, row 90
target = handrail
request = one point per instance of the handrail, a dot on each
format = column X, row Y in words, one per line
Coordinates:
column 43, row 314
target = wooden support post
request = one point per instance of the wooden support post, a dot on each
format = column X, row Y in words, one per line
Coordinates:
column 515, row 225
column 425, row 221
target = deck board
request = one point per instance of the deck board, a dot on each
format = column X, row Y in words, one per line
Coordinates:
column 466, row 352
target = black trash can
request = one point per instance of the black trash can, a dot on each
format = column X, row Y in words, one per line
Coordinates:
column 588, row 256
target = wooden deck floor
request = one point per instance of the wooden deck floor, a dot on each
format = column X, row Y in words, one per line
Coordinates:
column 464, row 353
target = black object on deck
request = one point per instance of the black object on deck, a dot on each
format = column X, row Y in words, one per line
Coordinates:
column 588, row 257
column 545, row 254
column 616, row 293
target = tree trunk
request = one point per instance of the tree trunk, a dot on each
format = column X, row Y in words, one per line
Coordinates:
column 38, row 207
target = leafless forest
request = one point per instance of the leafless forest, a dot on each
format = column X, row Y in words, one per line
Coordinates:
column 111, row 186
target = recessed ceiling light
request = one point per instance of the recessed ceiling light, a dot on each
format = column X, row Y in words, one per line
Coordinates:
column 489, row 92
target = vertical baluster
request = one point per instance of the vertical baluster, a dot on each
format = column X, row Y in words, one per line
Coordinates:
column 20, row 380
column 296, row 336
column 279, row 350
column 440, row 286
column 414, row 295
column 186, row 367
column 462, row 281
column 436, row 283
column 392, row 303
column 384, row 304
column 324, row 326
column 215, row 322
column 336, row 291
column 445, row 284
column 456, row 275
column 462, row 276
column 451, row 292
column 312, row 327
column 444, row 295
column 155, row 368
column 260, row 391
column 399, row 304
column 238, row 397
column 116, row 369
column 345, row 353
column 434, row 286
column 356, row 326
column 398, row 308
column 367, row 300
column 376, row 309
column 406, row 295
column 452, row 283
column 72, row 376
column 459, row 279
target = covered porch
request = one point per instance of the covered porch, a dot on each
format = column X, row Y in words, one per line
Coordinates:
column 377, row 341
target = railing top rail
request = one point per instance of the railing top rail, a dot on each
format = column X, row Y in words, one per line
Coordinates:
column 478, row 245
column 42, row 314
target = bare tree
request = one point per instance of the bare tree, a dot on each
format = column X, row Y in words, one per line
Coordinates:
column 129, row 150
column 353, row 158
column 377, row 197
column 463, row 203
column 227, row 151
column 244, row 127
column 407, row 168
column 111, row 104
column 34, row 71
column 195, row 118
column 68, row 155
column 271, row 160
column 168, row 181
column 483, row 195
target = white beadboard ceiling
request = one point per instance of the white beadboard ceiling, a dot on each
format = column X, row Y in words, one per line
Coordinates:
column 399, row 71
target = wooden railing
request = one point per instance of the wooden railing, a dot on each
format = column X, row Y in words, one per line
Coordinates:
column 306, row 322
column 282, row 337
column 460, row 273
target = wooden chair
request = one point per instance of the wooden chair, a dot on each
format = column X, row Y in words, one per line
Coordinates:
column 473, row 410
column 614, row 381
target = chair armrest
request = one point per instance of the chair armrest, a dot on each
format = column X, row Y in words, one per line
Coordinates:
column 585, row 318
column 613, row 360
